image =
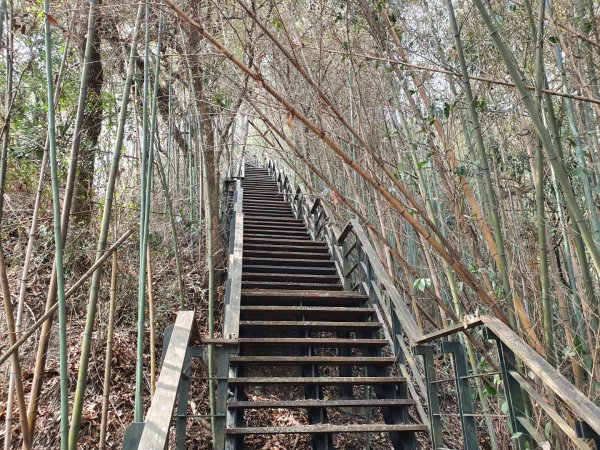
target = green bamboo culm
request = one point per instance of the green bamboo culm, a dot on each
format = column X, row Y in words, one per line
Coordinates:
column 101, row 246
column 58, row 244
column 487, row 179
column 139, row 362
column 559, row 169
column 169, row 205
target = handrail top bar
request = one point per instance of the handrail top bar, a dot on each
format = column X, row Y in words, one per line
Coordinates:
column 158, row 420
column 234, row 273
column 551, row 377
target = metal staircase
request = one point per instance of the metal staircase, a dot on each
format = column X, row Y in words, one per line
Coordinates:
column 299, row 328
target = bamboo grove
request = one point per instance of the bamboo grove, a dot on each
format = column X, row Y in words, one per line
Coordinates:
column 462, row 134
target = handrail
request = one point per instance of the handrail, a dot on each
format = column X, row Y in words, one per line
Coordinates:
column 231, row 315
column 368, row 270
column 233, row 289
column 552, row 378
column 155, row 434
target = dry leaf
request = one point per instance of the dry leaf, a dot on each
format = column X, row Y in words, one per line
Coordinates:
column 335, row 198
column 53, row 21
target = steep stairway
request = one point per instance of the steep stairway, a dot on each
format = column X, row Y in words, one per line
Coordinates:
column 307, row 347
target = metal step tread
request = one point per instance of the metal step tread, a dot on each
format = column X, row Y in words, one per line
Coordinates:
column 274, row 227
column 256, row 276
column 300, row 309
column 334, row 403
column 329, row 428
column 290, row 285
column 290, row 261
column 285, row 241
column 314, row 342
column 309, row 293
column 278, row 234
column 324, row 381
column 288, row 269
column 269, row 211
column 308, row 324
column 317, row 360
column 259, row 219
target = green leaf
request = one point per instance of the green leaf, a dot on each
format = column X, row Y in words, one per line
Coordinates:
column 504, row 407
column 548, row 430
column 277, row 23
column 422, row 283
column 491, row 391
column 517, row 435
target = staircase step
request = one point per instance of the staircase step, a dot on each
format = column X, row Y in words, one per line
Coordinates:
column 264, row 268
column 270, row 193
column 314, row 381
column 315, row 342
column 285, row 243
column 257, row 202
column 262, row 312
column 248, row 218
column 290, row 262
column 328, row 428
column 260, row 190
column 270, row 325
column 270, row 214
column 358, row 361
column 277, row 235
column 336, row 403
column 265, row 209
column 274, row 229
column 304, row 295
column 273, row 226
column 267, row 253
column 254, row 276
column 290, row 285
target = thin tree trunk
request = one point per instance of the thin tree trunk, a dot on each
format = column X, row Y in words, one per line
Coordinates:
column 91, row 126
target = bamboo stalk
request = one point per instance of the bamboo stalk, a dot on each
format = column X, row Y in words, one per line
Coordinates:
column 555, row 161
column 109, row 346
column 144, row 211
column 16, row 380
column 106, row 215
column 58, row 238
column 65, row 215
column 178, row 266
column 151, row 324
